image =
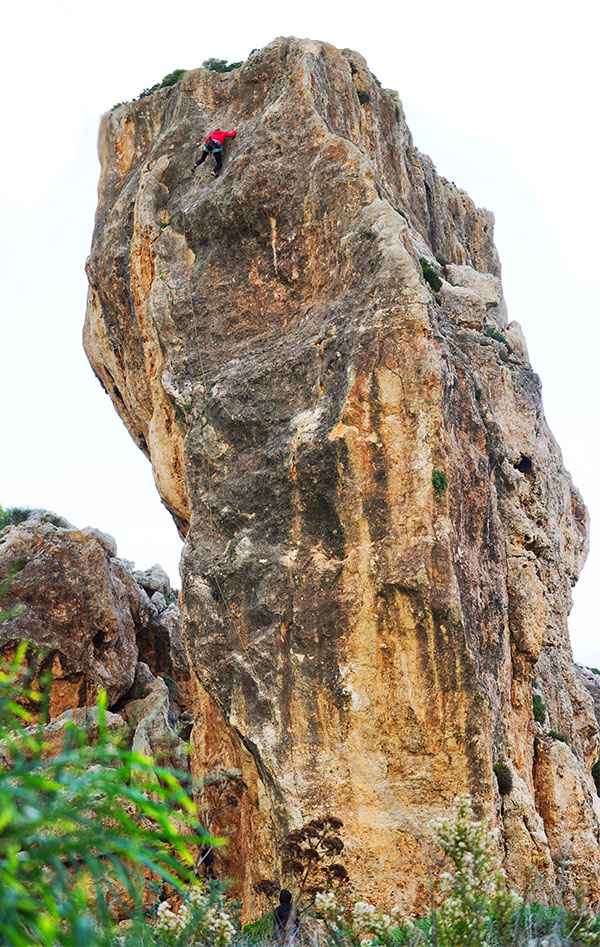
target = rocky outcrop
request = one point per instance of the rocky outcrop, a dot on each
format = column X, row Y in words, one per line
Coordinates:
column 590, row 678
column 96, row 622
column 381, row 539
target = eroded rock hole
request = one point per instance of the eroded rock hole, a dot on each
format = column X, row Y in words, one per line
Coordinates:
column 525, row 466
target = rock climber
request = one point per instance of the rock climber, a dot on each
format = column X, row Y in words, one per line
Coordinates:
column 214, row 146
column 283, row 926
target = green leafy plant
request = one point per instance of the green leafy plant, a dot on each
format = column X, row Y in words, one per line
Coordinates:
column 441, row 258
column 539, row 709
column 78, row 829
column 220, row 65
column 430, row 274
column 493, row 333
column 172, row 77
column 262, row 928
column 364, row 98
column 440, row 482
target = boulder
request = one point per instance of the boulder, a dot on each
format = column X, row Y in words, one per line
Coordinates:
column 79, row 608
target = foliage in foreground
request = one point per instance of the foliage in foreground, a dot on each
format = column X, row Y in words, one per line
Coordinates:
column 203, row 919
column 87, row 833
column 79, row 830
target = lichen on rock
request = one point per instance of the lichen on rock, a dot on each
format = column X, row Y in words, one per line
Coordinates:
column 362, row 644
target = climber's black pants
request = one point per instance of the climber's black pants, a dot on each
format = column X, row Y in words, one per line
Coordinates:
column 217, row 155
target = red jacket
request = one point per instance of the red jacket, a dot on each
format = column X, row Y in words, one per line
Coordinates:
column 220, row 136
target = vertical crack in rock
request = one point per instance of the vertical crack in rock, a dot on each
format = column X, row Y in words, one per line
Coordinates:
column 363, row 643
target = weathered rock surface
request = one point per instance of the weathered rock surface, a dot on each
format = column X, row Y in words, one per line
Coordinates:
column 362, row 645
column 90, row 616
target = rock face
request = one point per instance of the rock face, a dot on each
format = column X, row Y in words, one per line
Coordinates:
column 91, row 615
column 365, row 638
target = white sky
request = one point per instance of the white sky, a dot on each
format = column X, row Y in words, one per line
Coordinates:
column 503, row 96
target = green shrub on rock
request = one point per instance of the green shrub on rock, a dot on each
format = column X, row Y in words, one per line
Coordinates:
column 430, row 274
column 169, row 80
column 440, row 482
column 220, row 65
column 495, row 334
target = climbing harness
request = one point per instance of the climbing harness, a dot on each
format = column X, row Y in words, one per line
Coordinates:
column 216, row 146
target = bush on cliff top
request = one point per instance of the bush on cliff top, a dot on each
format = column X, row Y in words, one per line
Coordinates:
column 169, row 80
column 220, row 65
column 13, row 516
